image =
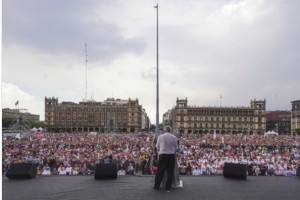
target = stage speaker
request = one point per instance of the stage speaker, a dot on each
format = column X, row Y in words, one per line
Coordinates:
column 235, row 170
column 106, row 171
column 21, row 171
column 298, row 172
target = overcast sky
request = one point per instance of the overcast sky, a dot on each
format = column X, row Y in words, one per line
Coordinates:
column 239, row 49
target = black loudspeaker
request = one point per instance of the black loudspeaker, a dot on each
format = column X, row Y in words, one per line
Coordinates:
column 235, row 170
column 298, row 172
column 21, row 171
column 106, row 171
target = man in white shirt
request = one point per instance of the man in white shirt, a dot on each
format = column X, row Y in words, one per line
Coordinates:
column 68, row 170
column 196, row 172
column 166, row 146
column 61, row 170
column 121, row 172
column 46, row 170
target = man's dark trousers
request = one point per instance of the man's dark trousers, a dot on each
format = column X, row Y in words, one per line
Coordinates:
column 165, row 162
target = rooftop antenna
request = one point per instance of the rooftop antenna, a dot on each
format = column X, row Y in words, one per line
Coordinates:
column 86, row 60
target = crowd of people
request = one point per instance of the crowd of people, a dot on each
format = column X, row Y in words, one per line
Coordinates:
column 264, row 155
column 78, row 153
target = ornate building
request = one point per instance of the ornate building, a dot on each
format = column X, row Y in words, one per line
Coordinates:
column 16, row 113
column 230, row 120
column 295, row 116
column 279, row 121
column 112, row 115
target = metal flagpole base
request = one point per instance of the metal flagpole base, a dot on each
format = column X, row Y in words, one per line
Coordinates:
column 178, row 186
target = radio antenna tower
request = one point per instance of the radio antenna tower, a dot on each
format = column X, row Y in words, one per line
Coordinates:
column 86, row 60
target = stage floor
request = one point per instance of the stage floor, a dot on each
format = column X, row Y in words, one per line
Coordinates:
column 140, row 188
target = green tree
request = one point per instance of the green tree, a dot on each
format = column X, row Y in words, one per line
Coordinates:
column 152, row 127
column 36, row 124
column 8, row 122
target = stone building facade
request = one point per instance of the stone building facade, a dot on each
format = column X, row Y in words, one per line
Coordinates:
column 111, row 115
column 187, row 119
column 279, row 121
column 295, row 116
column 15, row 113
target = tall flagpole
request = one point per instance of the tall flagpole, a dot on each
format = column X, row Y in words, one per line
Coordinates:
column 157, row 85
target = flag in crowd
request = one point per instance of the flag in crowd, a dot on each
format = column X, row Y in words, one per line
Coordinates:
column 215, row 135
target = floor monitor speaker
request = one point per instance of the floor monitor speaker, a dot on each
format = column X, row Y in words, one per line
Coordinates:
column 298, row 172
column 21, row 171
column 106, row 171
column 235, row 170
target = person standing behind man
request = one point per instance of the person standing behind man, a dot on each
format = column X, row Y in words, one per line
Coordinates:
column 166, row 146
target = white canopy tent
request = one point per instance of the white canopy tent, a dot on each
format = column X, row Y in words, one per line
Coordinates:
column 270, row 133
column 33, row 129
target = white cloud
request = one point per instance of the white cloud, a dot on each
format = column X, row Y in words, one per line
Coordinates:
column 243, row 11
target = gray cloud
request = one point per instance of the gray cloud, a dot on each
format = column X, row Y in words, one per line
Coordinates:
column 241, row 49
column 62, row 27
